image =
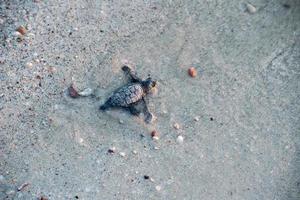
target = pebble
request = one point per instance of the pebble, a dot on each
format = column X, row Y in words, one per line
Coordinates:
column 146, row 177
column 250, row 8
column 73, row 92
column 156, row 138
column 22, row 30
column 29, row 64
column 176, row 126
column 196, row 119
column 112, row 150
column 192, row 72
column 158, row 188
column 86, row 92
column 179, row 139
column 121, row 121
column 155, row 135
column 134, row 152
column 122, row 154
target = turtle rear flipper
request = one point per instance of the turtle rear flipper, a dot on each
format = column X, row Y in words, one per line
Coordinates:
column 105, row 106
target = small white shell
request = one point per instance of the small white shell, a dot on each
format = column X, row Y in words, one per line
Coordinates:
column 179, row 139
column 86, row 92
column 251, row 9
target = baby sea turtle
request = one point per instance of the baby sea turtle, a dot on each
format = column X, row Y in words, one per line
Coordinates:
column 132, row 96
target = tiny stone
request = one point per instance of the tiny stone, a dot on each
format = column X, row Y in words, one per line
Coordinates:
column 176, row 126
column 29, row 64
column 158, row 188
column 121, row 121
column 192, row 72
column 156, row 148
column 180, row 139
column 134, row 152
column 122, row 154
column 196, row 119
column 146, row 177
column 156, row 138
column 251, row 9
column 155, row 135
column 22, row 30
column 72, row 92
column 112, row 150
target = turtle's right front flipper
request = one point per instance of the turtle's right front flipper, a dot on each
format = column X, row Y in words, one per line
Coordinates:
column 131, row 74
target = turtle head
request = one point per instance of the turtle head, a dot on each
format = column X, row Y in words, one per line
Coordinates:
column 149, row 84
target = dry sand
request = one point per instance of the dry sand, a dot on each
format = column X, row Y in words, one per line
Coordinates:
column 238, row 118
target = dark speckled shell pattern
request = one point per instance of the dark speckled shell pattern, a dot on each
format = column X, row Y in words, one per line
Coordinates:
column 127, row 95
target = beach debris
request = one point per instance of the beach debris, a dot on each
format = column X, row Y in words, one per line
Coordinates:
column 22, row 30
column 192, row 72
column 73, row 92
column 158, row 188
column 146, row 177
column 86, row 92
column 112, row 150
column 121, row 121
column 155, row 135
column 23, row 186
column 250, row 8
column 196, row 119
column 122, row 154
column 180, row 139
column 134, row 152
column 176, row 126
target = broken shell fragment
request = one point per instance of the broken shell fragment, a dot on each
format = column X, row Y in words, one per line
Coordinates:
column 158, row 188
column 73, row 92
column 22, row 30
column 251, row 9
column 86, row 92
column 179, row 139
column 176, row 126
column 155, row 135
column 122, row 154
column 192, row 72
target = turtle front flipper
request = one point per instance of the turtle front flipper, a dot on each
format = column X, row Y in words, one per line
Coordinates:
column 131, row 74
